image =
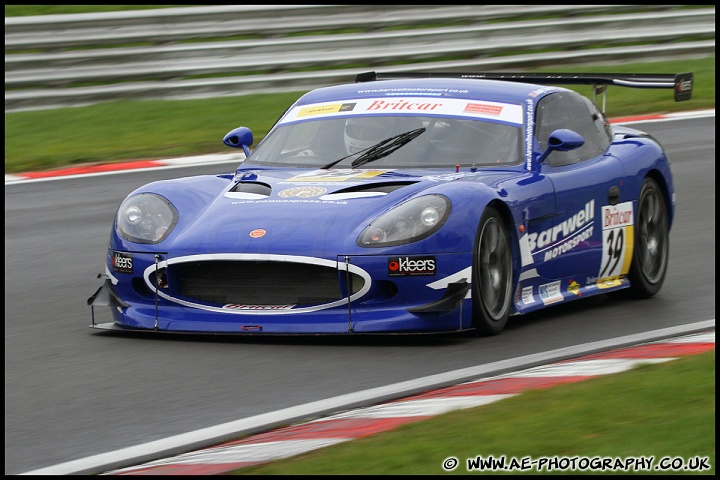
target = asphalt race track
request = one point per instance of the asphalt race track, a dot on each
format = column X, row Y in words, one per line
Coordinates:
column 71, row 392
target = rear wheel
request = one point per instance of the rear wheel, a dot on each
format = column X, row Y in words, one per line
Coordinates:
column 652, row 242
column 492, row 275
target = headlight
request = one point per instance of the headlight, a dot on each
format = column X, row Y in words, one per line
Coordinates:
column 410, row 222
column 145, row 218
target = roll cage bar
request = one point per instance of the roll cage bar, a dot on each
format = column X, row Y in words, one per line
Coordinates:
column 682, row 83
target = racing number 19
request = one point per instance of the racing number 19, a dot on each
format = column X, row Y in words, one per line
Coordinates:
column 617, row 236
column 613, row 254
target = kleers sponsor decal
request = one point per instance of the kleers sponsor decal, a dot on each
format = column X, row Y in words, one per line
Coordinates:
column 122, row 262
column 618, row 240
column 564, row 236
column 550, row 292
column 409, row 266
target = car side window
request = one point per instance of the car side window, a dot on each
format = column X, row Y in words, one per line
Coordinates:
column 475, row 141
column 575, row 112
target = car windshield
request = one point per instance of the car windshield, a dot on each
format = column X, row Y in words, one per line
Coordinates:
column 411, row 141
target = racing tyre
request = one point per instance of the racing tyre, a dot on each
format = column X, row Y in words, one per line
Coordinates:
column 652, row 242
column 492, row 275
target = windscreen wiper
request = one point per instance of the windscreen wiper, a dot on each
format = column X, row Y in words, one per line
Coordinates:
column 380, row 149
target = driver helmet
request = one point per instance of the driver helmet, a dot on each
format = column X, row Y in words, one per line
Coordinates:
column 363, row 132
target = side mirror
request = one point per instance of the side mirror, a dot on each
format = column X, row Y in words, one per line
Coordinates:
column 562, row 140
column 240, row 137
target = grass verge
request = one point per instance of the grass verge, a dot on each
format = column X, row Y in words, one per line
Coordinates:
column 140, row 130
column 655, row 410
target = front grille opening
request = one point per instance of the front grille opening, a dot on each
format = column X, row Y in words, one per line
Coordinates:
column 260, row 282
column 138, row 284
column 141, row 288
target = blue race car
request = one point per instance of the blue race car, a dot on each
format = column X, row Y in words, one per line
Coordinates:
column 402, row 203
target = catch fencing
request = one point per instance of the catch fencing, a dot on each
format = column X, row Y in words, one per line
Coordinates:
column 200, row 52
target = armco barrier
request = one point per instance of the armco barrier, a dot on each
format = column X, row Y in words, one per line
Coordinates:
column 200, row 52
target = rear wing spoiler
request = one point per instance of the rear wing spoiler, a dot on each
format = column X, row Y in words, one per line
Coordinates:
column 682, row 83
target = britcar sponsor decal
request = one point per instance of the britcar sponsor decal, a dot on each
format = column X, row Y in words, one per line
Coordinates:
column 410, row 266
column 403, row 105
column 550, row 292
column 564, row 236
column 617, row 215
column 240, row 306
column 122, row 262
column 302, row 192
column 410, row 105
column 618, row 240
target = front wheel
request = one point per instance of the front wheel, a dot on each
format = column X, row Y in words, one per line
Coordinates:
column 652, row 242
column 492, row 274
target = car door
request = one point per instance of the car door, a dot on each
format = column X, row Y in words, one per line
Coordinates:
column 569, row 247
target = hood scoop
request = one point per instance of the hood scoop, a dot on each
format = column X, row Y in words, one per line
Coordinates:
column 366, row 190
column 245, row 190
column 250, row 191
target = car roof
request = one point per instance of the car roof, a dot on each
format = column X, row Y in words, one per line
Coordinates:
column 480, row 89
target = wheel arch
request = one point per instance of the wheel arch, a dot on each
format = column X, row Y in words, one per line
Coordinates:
column 492, row 307
column 664, row 187
column 509, row 221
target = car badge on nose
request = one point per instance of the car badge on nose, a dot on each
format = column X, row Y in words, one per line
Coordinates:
column 257, row 233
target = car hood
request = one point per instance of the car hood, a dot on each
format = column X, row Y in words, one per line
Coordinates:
column 300, row 211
